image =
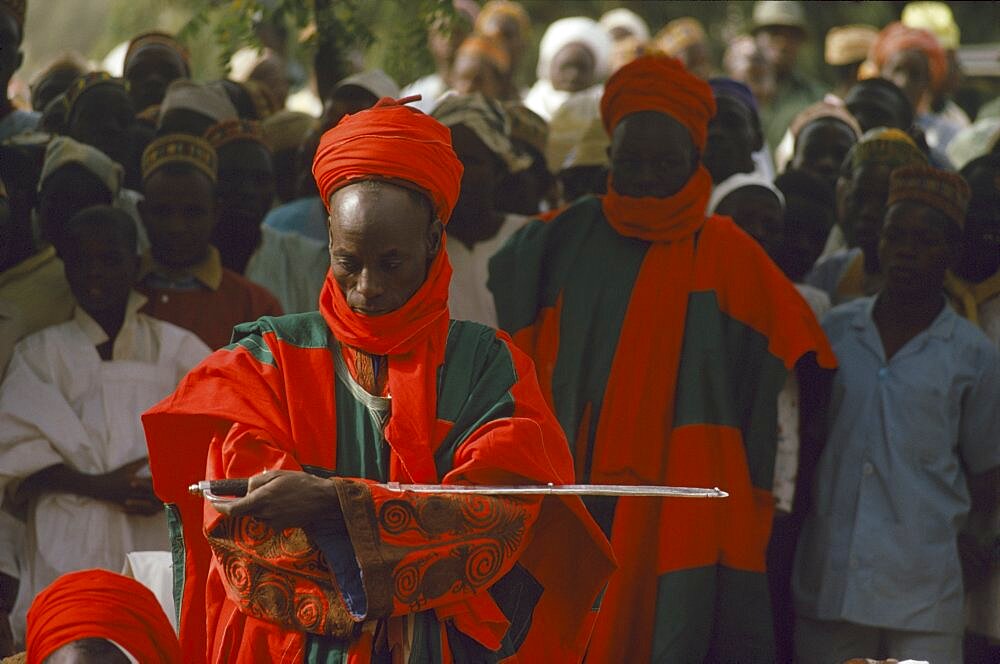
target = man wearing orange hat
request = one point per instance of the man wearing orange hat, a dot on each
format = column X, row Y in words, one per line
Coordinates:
column 98, row 617
column 319, row 562
column 12, row 120
column 911, row 449
column 661, row 339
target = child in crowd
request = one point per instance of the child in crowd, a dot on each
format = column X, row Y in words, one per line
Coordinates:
column 72, row 452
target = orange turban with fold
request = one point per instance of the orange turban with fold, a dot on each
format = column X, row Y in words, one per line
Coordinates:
column 659, row 83
column 390, row 142
column 99, row 604
column 897, row 37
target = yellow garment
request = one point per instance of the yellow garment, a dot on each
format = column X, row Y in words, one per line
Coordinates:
column 967, row 296
column 855, row 282
column 208, row 272
column 33, row 294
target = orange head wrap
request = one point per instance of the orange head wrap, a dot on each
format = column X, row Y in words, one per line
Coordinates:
column 897, row 37
column 659, row 83
column 100, row 604
column 390, row 142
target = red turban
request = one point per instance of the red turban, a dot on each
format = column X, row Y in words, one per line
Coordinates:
column 100, row 604
column 659, row 83
column 390, row 142
column 898, row 37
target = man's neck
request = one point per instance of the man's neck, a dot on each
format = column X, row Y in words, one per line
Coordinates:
column 901, row 316
column 111, row 322
column 6, row 107
column 479, row 227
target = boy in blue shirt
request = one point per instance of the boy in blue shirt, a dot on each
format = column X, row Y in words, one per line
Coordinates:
column 913, row 445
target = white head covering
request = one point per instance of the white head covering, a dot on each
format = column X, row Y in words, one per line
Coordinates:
column 738, row 181
column 210, row 100
column 628, row 20
column 63, row 150
column 374, row 81
column 575, row 30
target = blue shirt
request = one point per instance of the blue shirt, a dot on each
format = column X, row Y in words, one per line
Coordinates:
column 305, row 216
column 879, row 547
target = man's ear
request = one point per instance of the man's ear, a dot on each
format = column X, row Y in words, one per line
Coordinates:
column 434, row 234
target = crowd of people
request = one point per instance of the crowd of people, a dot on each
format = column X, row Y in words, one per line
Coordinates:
column 641, row 269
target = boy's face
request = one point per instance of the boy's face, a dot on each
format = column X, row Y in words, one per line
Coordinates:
column 100, row 268
column 179, row 214
column 821, row 147
column 733, row 137
column 915, row 248
column 758, row 212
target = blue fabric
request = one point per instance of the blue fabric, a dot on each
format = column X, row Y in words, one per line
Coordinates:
column 879, row 547
column 828, row 271
column 17, row 122
column 339, row 553
column 305, row 216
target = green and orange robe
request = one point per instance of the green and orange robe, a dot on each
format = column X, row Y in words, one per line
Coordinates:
column 420, row 577
column 662, row 362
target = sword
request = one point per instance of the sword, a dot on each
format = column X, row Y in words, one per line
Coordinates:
column 224, row 491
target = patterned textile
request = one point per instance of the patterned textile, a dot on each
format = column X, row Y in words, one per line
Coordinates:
column 180, row 148
column 946, row 192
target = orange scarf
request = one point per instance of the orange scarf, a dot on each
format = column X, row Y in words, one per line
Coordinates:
column 654, row 327
column 413, row 337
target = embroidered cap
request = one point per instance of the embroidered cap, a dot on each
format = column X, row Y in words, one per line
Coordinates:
column 180, row 149
column 946, row 192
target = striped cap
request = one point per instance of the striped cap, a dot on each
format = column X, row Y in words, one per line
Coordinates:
column 180, row 149
column 946, row 192
column 230, row 131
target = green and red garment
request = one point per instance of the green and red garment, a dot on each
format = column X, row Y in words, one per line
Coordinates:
column 430, row 578
column 663, row 361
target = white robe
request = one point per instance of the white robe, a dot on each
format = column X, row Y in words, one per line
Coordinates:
column 61, row 404
column 468, row 296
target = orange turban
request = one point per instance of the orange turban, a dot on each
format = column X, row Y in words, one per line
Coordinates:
column 390, row 142
column 100, row 604
column 897, row 37
column 659, row 83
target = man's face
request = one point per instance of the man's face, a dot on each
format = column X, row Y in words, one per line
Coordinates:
column 473, row 73
column 651, row 155
column 100, row 268
column 346, row 100
column 572, row 68
column 914, row 250
column 821, row 147
column 101, row 118
column 980, row 249
column 246, row 180
column 482, row 174
column 732, row 140
column 10, row 45
column 758, row 212
column 68, row 190
column 150, row 71
column 382, row 241
column 909, row 70
column 864, row 207
column 781, row 44
column 179, row 214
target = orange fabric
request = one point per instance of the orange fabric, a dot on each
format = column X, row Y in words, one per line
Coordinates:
column 897, row 37
column 393, row 142
column 100, row 604
column 660, row 219
column 659, row 83
column 653, row 328
column 414, row 338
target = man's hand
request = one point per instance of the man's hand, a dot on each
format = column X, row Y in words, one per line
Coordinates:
column 124, row 488
column 288, row 499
